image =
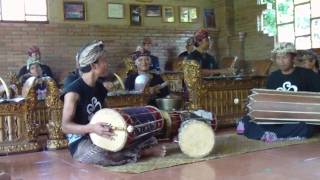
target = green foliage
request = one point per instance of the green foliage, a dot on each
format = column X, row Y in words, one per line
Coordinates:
column 268, row 18
column 283, row 7
column 269, row 22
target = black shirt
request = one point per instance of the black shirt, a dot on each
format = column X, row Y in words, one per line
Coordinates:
column 205, row 60
column 91, row 100
column 300, row 79
column 184, row 55
column 72, row 76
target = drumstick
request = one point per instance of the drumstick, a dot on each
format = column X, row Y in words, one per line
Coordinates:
column 129, row 129
column 164, row 84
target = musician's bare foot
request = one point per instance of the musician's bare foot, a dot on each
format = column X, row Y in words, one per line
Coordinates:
column 159, row 150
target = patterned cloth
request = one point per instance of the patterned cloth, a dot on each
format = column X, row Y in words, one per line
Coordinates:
column 137, row 54
column 90, row 53
column 32, row 50
column 284, row 48
column 200, row 35
column 87, row 152
column 226, row 144
column 31, row 61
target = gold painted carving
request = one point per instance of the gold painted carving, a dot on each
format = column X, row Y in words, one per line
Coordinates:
column 216, row 94
column 192, row 79
column 54, row 105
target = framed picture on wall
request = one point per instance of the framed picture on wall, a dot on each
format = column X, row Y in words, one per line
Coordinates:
column 188, row 14
column 74, row 10
column 115, row 10
column 209, row 18
column 153, row 10
column 168, row 14
column 135, row 15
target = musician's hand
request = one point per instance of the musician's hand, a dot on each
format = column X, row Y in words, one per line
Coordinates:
column 108, row 85
column 155, row 89
column 103, row 129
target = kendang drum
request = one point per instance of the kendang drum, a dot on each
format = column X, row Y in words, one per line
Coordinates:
column 196, row 137
column 172, row 122
column 282, row 107
column 174, row 119
column 129, row 124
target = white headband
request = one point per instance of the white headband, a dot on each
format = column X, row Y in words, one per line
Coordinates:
column 90, row 53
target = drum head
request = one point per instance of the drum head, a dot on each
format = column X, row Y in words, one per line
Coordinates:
column 196, row 138
column 115, row 119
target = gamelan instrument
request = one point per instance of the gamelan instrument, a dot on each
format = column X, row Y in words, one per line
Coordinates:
column 6, row 89
column 129, row 124
column 195, row 135
column 174, row 120
column 283, row 107
column 28, row 85
column 196, row 138
column 119, row 80
column 142, row 81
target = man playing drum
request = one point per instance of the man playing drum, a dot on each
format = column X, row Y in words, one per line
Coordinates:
column 85, row 96
column 287, row 78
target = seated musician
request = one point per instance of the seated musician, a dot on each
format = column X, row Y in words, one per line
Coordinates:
column 310, row 61
column 34, row 52
column 34, row 70
column 74, row 75
column 189, row 49
column 206, row 61
column 82, row 99
column 154, row 60
column 157, row 86
column 287, row 78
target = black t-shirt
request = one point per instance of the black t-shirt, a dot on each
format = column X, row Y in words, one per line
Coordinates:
column 300, row 79
column 91, row 99
column 205, row 60
column 74, row 75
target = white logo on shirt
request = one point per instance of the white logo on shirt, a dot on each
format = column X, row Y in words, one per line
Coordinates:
column 287, row 86
column 95, row 104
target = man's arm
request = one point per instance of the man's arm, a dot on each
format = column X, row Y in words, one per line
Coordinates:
column 69, row 109
column 69, row 126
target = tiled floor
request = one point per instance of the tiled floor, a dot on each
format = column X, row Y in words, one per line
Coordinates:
column 292, row 162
